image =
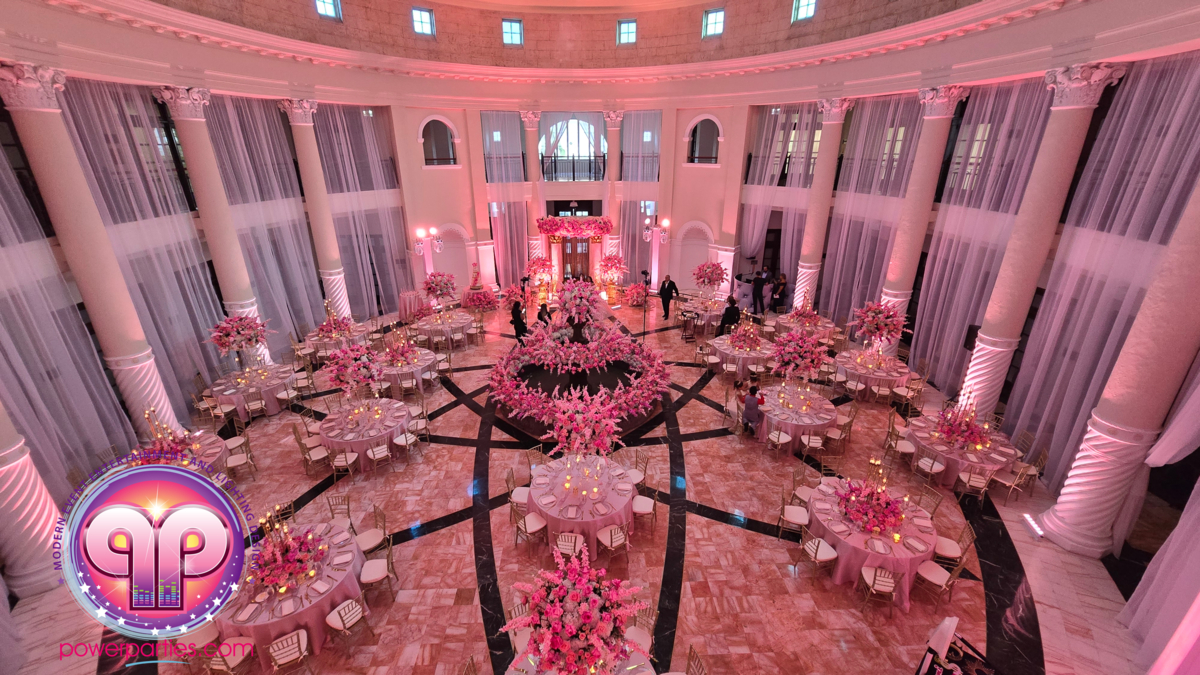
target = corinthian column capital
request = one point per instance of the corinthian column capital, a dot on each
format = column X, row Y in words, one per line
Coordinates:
column 833, row 110
column 299, row 110
column 940, row 102
column 532, row 117
column 1080, row 86
column 184, row 103
column 25, row 86
column 612, row 118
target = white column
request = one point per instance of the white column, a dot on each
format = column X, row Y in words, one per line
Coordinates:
column 187, row 112
column 820, row 198
column 612, row 172
column 30, row 518
column 533, row 168
column 1077, row 89
column 316, row 201
column 29, row 93
column 1150, row 369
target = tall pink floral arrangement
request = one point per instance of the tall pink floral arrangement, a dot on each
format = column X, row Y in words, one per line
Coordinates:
column 538, row 269
column 709, row 275
column 611, row 268
column 871, row 508
column 578, row 619
column 353, row 367
column 481, row 301
column 579, row 300
column 512, row 295
column 635, row 295
column 799, row 354
column 879, row 322
column 439, row 285
column 235, row 333
column 334, row 327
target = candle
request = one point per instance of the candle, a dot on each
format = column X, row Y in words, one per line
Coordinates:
column 896, row 537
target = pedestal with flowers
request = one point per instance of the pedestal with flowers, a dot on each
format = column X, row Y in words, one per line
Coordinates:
column 354, row 369
column 439, row 287
column 610, row 270
column 539, row 271
column 709, row 276
column 242, row 335
column 879, row 325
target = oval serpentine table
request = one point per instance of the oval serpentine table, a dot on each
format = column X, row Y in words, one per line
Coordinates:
column 999, row 456
column 371, row 431
column 822, row 329
column 871, row 369
column 743, row 359
column 636, row 664
column 549, row 498
column 828, row 523
column 336, row 583
column 270, row 380
column 430, row 326
column 809, row 414
column 425, row 363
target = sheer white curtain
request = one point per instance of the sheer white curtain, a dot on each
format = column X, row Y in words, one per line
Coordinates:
column 640, row 143
column 503, row 143
column 255, row 160
column 997, row 143
column 123, row 148
column 768, row 161
column 356, row 153
column 51, row 381
column 803, row 143
column 874, row 175
column 1140, row 174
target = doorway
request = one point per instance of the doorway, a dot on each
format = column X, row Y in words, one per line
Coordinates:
column 575, row 254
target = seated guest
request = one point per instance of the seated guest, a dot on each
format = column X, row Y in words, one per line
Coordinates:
column 730, row 316
column 751, row 415
column 544, row 313
column 739, row 391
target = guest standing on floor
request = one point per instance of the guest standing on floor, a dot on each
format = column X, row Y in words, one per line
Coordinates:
column 777, row 293
column 667, row 292
column 731, row 315
column 518, row 322
column 751, row 415
column 757, row 287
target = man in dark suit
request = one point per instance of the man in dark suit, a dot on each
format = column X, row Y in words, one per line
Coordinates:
column 760, row 283
column 667, row 292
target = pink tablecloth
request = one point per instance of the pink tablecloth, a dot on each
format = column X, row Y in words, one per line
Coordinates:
column 267, row 626
column 358, row 336
column 603, row 476
column 371, row 431
column 822, row 329
column 811, row 414
column 270, row 380
column 210, row 449
column 998, row 457
column 743, row 359
column 410, row 301
column 871, row 369
column 708, row 313
column 450, row 323
column 426, row 363
column 853, row 554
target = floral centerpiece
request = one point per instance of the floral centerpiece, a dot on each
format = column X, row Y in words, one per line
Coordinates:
column 538, row 269
column 401, row 354
column 879, row 322
column 710, row 275
column 575, row 227
column 423, row 310
column 799, row 354
column 871, row 508
column 168, row 445
column 439, row 285
column 611, row 268
column 353, row 367
column 744, row 337
column 579, row 301
column 512, row 295
column 285, row 560
column 635, row 295
column 236, row 333
column 803, row 316
column 334, row 327
column 578, row 619
column 481, row 301
column 958, row 426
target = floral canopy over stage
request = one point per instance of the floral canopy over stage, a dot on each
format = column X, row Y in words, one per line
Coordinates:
column 575, row 227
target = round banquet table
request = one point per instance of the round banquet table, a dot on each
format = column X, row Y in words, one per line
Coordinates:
column 337, row 583
column 209, row 449
column 999, row 456
column 357, row 336
column 426, row 363
column 410, row 302
column 270, row 380
column 708, row 312
column 827, row 523
column 372, row 431
column 871, row 369
column 822, row 329
column 743, row 359
column 810, row 414
column 549, row 499
column 450, row 323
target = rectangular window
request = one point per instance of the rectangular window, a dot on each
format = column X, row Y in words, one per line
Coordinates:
column 496, row 136
column 803, row 9
column 330, row 8
column 647, row 136
column 626, row 32
column 714, row 22
column 422, row 21
column 511, row 29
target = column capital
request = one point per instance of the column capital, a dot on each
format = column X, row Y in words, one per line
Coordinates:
column 25, row 86
column 1081, row 85
column 184, row 103
column 299, row 110
column 941, row 101
column 612, row 118
column 833, row 110
column 531, row 118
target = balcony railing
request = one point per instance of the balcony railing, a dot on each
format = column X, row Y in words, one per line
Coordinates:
column 498, row 167
column 555, row 168
column 701, row 159
column 752, row 166
column 639, row 168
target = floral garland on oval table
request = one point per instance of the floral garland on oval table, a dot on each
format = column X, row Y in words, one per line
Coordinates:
column 481, row 301
column 577, row 618
column 353, row 367
column 871, row 508
column 439, row 285
column 235, row 333
column 709, row 274
column 575, row 227
column 799, row 354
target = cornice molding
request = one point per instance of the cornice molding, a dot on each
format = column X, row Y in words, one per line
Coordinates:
column 149, row 15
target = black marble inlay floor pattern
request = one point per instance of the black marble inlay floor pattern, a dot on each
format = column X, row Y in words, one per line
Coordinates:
column 1013, row 637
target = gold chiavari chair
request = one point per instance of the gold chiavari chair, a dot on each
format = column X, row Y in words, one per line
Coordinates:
column 937, row 581
column 879, row 585
column 950, row 552
column 791, row 518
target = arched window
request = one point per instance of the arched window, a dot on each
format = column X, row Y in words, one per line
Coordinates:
column 439, row 144
column 573, row 138
column 702, row 148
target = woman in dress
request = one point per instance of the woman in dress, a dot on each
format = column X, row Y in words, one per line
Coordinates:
column 777, row 293
column 518, row 322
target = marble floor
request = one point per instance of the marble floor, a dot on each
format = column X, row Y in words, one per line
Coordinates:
column 723, row 583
